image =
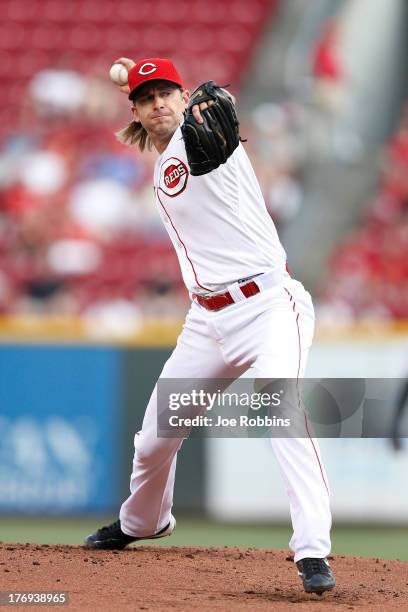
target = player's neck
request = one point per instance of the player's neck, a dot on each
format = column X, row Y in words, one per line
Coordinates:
column 160, row 143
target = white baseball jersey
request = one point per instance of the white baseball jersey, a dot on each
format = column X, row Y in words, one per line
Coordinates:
column 222, row 233
column 217, row 222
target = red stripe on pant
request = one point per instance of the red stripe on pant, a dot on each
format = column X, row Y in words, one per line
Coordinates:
column 297, row 384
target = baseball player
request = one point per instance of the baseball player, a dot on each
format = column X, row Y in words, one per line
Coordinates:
column 246, row 310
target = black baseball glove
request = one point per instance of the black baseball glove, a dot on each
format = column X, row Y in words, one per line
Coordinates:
column 209, row 144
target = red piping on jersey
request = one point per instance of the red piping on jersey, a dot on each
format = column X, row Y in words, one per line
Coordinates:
column 178, row 236
column 299, row 346
column 297, row 385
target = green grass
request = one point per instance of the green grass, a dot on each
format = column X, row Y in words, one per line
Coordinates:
column 384, row 542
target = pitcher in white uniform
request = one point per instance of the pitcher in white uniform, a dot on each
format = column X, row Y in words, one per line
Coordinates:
column 246, row 312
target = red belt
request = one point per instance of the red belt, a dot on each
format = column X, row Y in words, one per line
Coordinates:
column 216, row 302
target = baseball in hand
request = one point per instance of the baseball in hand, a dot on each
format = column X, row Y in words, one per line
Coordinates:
column 119, row 74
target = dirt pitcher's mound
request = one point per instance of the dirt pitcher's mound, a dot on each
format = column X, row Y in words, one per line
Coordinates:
column 162, row 578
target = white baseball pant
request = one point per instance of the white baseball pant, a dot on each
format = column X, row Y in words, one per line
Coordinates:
column 272, row 332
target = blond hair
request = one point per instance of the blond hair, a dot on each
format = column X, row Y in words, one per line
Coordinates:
column 134, row 134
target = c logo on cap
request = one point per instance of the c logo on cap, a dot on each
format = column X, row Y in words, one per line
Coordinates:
column 143, row 71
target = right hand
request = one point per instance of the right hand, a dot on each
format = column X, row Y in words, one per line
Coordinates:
column 128, row 64
column 199, row 107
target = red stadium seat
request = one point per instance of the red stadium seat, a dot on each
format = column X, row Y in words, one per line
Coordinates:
column 118, row 37
column 176, row 13
column 197, row 39
column 234, row 38
column 97, row 11
column 12, row 36
column 203, row 13
column 129, row 11
column 161, row 38
column 21, row 10
column 30, row 62
column 85, row 37
column 243, row 12
column 61, row 12
column 6, row 66
column 48, row 36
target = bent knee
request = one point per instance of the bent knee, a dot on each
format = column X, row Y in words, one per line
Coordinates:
column 155, row 451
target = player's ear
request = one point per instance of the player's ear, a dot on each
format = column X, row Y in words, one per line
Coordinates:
column 185, row 94
column 135, row 114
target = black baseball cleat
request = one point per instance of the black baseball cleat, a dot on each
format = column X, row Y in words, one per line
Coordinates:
column 316, row 575
column 112, row 537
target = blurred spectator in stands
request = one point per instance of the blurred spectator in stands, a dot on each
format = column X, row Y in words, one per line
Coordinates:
column 7, row 293
column 115, row 316
column 276, row 150
column 395, row 166
column 331, row 95
column 58, row 90
column 103, row 206
column 283, row 196
column 43, row 173
column 369, row 269
column 327, row 68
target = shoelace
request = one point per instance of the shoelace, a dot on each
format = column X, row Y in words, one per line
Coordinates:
column 314, row 566
column 111, row 528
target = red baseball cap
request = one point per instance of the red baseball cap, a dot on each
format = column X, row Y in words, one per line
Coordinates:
column 150, row 70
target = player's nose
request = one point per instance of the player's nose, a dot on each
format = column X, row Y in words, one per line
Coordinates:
column 158, row 101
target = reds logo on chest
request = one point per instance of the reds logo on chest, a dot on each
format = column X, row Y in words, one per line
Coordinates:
column 173, row 176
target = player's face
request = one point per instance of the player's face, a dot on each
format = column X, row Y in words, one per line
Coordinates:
column 159, row 107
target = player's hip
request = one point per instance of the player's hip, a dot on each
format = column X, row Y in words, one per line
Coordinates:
column 272, row 294
column 273, row 289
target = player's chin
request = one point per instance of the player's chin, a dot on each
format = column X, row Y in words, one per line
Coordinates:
column 165, row 127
